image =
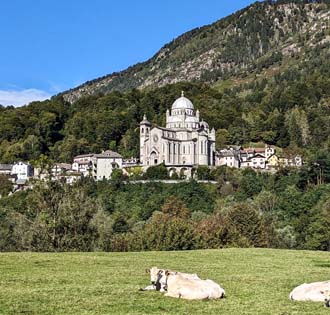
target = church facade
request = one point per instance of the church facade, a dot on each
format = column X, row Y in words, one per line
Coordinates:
column 185, row 143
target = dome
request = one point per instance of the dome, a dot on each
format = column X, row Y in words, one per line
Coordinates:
column 204, row 124
column 182, row 103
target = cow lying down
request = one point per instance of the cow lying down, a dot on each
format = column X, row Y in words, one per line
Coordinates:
column 315, row 292
column 183, row 285
column 155, row 275
column 179, row 286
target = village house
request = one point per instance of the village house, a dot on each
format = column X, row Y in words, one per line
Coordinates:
column 256, row 161
column 104, row 163
column 131, row 162
column 23, row 171
column 257, row 158
column 83, row 164
column 99, row 166
column 273, row 162
column 63, row 172
column 229, row 157
column 5, row 169
column 294, row 161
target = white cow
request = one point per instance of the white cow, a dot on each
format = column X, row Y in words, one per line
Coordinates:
column 179, row 286
column 155, row 274
column 315, row 292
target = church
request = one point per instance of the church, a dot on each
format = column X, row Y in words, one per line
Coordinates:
column 185, row 143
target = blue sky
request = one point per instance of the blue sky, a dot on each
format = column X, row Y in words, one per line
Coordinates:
column 49, row 46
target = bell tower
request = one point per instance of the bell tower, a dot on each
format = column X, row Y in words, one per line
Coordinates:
column 145, row 126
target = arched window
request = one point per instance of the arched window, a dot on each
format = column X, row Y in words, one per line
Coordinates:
column 114, row 165
column 142, row 130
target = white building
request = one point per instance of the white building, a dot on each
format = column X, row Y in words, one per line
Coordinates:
column 22, row 170
column 83, row 164
column 184, row 143
column 103, row 164
column 256, row 158
column 59, row 169
column 257, row 161
column 5, row 169
column 63, row 172
column 228, row 157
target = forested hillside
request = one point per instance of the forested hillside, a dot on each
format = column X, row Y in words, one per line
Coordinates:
column 289, row 209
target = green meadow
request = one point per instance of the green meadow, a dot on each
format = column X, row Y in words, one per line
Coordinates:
column 257, row 281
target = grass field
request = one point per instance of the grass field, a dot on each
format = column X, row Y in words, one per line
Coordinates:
column 257, row 281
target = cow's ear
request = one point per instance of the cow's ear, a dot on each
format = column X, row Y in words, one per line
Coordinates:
column 167, row 272
column 147, row 270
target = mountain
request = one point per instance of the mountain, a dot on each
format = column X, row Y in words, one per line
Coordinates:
column 264, row 36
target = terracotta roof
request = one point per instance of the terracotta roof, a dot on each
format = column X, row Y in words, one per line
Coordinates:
column 259, row 150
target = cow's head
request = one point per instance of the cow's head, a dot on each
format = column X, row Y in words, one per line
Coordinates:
column 154, row 274
column 326, row 294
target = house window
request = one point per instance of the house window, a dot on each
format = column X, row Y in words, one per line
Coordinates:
column 114, row 165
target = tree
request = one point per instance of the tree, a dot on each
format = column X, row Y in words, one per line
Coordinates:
column 44, row 205
column 118, row 177
column 297, row 124
column 265, row 202
column 250, row 183
column 157, row 172
column 319, row 230
column 249, row 224
column 75, row 230
column 222, row 138
column 60, row 217
column 203, row 172
column 167, row 232
column 5, row 186
column 174, row 207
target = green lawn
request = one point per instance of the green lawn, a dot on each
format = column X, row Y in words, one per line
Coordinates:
column 257, row 281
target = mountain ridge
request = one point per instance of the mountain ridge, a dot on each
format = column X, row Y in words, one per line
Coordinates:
column 260, row 35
